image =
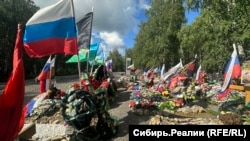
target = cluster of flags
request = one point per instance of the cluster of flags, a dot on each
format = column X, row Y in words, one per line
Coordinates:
column 182, row 73
column 177, row 73
column 51, row 30
column 85, row 54
column 94, row 55
column 46, row 74
column 165, row 76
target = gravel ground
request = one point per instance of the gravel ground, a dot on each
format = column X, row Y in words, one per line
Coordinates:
column 119, row 107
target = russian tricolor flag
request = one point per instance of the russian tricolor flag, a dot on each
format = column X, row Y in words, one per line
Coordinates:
column 34, row 103
column 45, row 75
column 46, row 71
column 52, row 30
column 232, row 71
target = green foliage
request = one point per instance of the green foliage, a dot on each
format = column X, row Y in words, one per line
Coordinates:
column 129, row 53
column 212, row 35
column 246, row 119
column 164, row 38
column 167, row 105
column 118, row 61
column 13, row 12
column 157, row 42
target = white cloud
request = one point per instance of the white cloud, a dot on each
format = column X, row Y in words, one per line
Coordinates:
column 113, row 19
column 112, row 38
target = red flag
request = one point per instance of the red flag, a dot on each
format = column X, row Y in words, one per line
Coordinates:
column 175, row 79
column 223, row 94
column 173, row 82
column 186, row 72
column 188, row 69
column 191, row 66
column 11, row 100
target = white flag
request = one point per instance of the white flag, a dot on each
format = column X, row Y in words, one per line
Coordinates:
column 162, row 71
column 173, row 70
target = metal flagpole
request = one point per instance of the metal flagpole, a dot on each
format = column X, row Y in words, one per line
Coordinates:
column 79, row 68
column 87, row 71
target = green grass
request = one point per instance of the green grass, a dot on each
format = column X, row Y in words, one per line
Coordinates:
column 212, row 112
column 213, row 102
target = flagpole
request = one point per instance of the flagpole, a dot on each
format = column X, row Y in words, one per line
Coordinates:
column 50, row 70
column 87, row 71
column 50, row 73
column 78, row 59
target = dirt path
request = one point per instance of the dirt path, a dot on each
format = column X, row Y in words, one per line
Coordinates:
column 120, row 109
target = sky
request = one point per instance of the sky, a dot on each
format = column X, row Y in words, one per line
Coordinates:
column 115, row 22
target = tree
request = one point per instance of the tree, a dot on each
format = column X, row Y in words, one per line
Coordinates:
column 212, row 35
column 129, row 53
column 118, row 61
column 12, row 12
column 157, row 42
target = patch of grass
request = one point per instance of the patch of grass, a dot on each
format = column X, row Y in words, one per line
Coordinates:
column 212, row 112
column 213, row 102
